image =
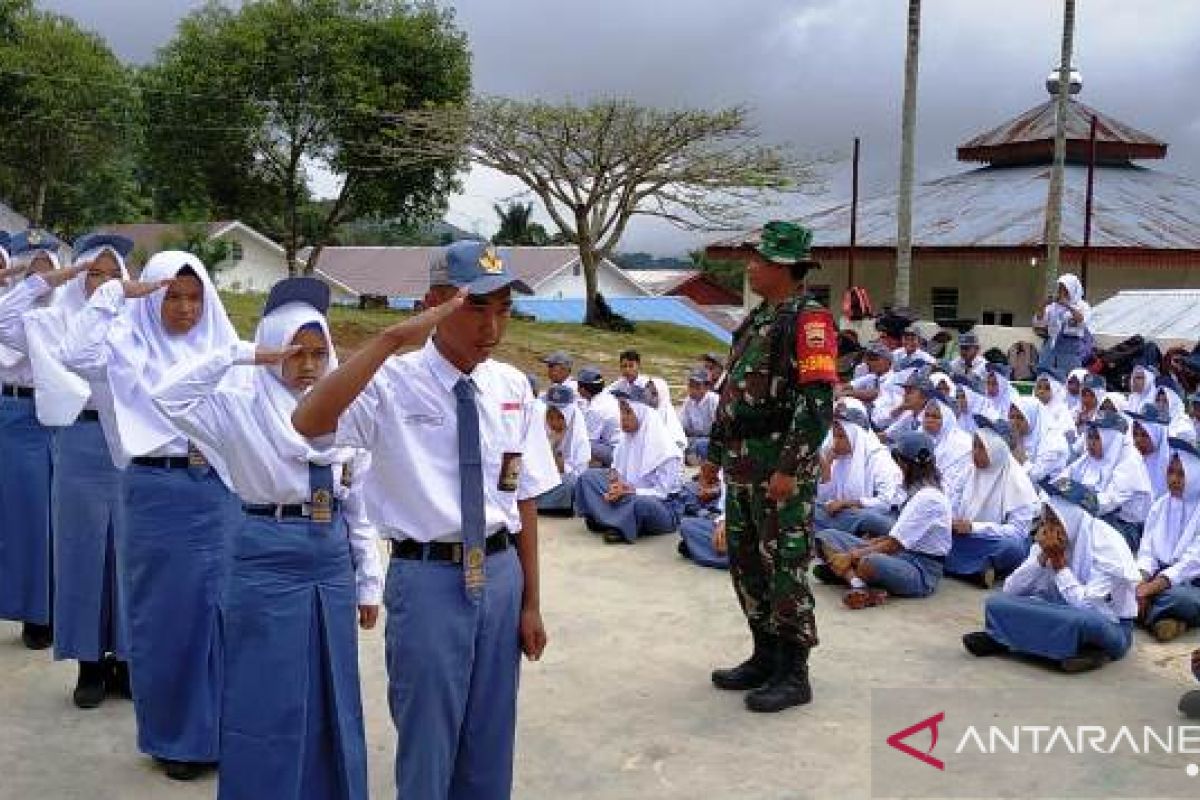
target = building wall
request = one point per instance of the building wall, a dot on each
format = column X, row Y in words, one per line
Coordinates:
column 570, row 283
column 260, row 267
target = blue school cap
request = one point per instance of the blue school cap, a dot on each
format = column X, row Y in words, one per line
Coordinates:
column 560, row 396
column 1109, row 421
column 853, row 416
column 999, row 369
column 878, row 350
column 698, row 375
column 633, row 394
column 1184, row 446
column 998, row 426
column 123, row 245
column 5, row 239
column 1051, row 373
column 590, row 376
column 912, row 362
column 1151, row 414
column 1073, row 492
column 1167, row 382
column 1093, row 381
column 32, row 240
column 558, row 359
column 915, row 447
column 971, row 382
column 477, row 266
column 310, row 291
column 968, row 339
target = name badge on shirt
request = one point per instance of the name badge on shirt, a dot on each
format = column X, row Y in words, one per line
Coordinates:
column 347, row 475
column 196, row 459
column 510, row 472
column 321, row 507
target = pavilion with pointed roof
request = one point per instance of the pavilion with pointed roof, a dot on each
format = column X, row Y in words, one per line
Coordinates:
column 979, row 236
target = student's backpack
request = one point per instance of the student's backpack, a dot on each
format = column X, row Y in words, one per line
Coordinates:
column 856, row 304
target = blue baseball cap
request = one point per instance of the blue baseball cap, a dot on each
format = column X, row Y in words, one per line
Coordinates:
column 477, row 266
column 32, row 240
column 878, row 350
column 1167, row 382
column 999, row 369
column 123, row 245
column 558, row 359
column 914, row 446
column 1051, row 373
column 968, row 339
column 853, row 416
column 590, row 375
column 560, row 396
column 1184, row 446
column 1093, row 381
column 971, row 382
column 998, row 426
column 698, row 375
column 1150, row 414
column 307, row 290
column 1109, row 421
column 1073, row 492
column 633, row 394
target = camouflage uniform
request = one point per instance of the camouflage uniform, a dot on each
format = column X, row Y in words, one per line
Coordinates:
column 775, row 411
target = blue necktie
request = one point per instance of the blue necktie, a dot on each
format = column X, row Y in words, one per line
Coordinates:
column 470, row 477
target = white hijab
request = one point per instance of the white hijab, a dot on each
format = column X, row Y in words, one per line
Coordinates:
column 1094, row 544
column 997, row 406
column 1073, row 399
column 952, row 445
column 1156, row 463
column 61, row 394
column 275, row 401
column 10, row 358
column 1181, row 424
column 666, row 410
column 1147, row 395
column 1174, row 522
column 850, row 475
column 1060, row 414
column 976, row 404
column 995, row 492
column 575, row 449
column 1120, row 465
column 141, row 352
column 1043, row 436
column 649, row 447
column 1057, row 316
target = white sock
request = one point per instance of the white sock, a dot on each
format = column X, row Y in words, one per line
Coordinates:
column 857, row 583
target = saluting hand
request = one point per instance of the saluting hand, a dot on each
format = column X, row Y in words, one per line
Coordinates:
column 136, row 289
column 415, row 330
column 57, row 277
column 533, row 634
column 265, row 356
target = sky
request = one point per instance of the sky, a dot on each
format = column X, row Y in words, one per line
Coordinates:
column 815, row 74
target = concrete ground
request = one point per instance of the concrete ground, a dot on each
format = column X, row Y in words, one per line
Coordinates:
column 620, row 706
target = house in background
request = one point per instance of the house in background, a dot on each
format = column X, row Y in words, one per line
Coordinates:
column 399, row 276
column 694, row 284
column 255, row 262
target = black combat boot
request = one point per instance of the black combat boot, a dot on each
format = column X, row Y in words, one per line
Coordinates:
column 37, row 637
column 788, row 685
column 89, row 689
column 754, row 671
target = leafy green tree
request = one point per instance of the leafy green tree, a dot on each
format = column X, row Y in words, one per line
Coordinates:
column 65, row 134
column 517, row 226
column 243, row 105
column 730, row 274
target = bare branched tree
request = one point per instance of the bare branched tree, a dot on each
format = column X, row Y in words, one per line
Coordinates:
column 595, row 167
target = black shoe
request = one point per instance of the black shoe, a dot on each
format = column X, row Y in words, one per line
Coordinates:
column 1087, row 660
column 683, row 550
column 1189, row 704
column 37, row 637
column 754, row 671
column 116, row 678
column 89, row 689
column 789, row 685
column 615, row 537
column 185, row 770
column 825, row 574
column 981, row 643
column 593, row 526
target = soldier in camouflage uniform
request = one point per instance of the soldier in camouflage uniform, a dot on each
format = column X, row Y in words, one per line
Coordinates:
column 775, row 410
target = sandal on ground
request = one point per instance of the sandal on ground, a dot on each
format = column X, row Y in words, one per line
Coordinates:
column 856, row 599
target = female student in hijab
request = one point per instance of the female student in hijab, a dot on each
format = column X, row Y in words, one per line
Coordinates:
column 1169, row 556
column 658, row 396
column 87, row 513
column 1142, row 386
column 1073, row 600
column 969, row 400
column 1149, row 436
column 995, row 512
column 638, row 495
column 1048, row 388
column 917, row 390
column 999, row 394
column 952, row 445
column 567, row 431
column 26, row 567
column 1170, row 404
column 303, row 557
column 1114, row 470
column 1040, row 447
column 702, row 522
column 1092, row 391
column 860, row 489
column 171, row 583
column 908, row 561
column 1066, row 321
column 1074, row 386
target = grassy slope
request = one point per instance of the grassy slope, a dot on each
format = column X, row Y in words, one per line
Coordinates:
column 667, row 350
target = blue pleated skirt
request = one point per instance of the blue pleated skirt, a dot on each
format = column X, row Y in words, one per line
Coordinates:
column 1051, row 630
column 291, row 720
column 632, row 516
column 26, row 543
column 89, row 619
column 697, row 535
column 561, row 497
column 172, row 565
column 971, row 554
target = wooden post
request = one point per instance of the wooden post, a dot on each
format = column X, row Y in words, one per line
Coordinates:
column 853, row 217
column 1091, row 196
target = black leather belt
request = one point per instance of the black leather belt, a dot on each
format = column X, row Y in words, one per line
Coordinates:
column 11, row 390
column 89, row 415
column 163, row 462
column 290, row 511
column 412, row 550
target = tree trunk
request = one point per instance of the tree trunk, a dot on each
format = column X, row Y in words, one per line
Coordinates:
column 908, row 158
column 590, row 260
column 39, row 204
column 1055, row 195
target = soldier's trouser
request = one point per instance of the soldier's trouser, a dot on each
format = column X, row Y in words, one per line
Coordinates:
column 770, row 547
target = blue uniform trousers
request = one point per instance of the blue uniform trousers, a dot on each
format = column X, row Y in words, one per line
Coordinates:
column 867, row 522
column 561, row 497
column 972, row 554
column 632, row 516
column 904, row 574
column 453, row 670
column 697, row 533
column 26, row 563
column 1178, row 602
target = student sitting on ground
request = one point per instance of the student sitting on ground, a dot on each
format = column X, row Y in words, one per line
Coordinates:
column 638, row 496
column 697, row 414
column 1150, row 440
column 999, row 393
column 1169, row 399
column 994, row 513
column 952, row 445
column 876, row 387
column 1113, row 469
column 1074, row 389
column 702, row 527
column 860, row 489
column 916, row 387
column 1092, row 391
column 1052, row 393
column 1040, row 448
column 1169, row 557
column 969, row 400
column 569, row 442
column 908, row 561
column 1073, row 599
column 601, row 414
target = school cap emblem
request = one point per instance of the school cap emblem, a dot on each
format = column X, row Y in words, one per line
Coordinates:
column 35, row 237
column 490, row 261
column 1063, row 485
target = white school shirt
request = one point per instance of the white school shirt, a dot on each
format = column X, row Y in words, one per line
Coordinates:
column 977, row 369
column 406, row 418
column 1108, row 594
column 603, row 417
column 924, row 523
column 697, row 416
column 13, row 304
column 622, row 385
column 900, row 354
column 189, row 395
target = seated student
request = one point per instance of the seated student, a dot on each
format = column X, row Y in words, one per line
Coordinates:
column 569, row 442
column 1150, row 440
column 600, row 414
column 908, row 561
column 1073, row 600
column 969, row 400
column 1114, row 470
column 631, row 372
column 969, row 362
column 1169, row 556
column 1169, row 400
column 697, row 414
column 1074, row 388
column 917, row 389
column 860, row 489
column 702, row 526
column 911, row 348
column 875, row 387
column 999, row 394
column 952, row 445
column 658, row 397
column 1143, row 382
column 558, row 370
column 1092, row 390
column 994, row 513
column 1040, row 447
column 1051, row 393
column 638, row 496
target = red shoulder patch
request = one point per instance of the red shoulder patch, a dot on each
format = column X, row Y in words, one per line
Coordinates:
column 817, row 347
